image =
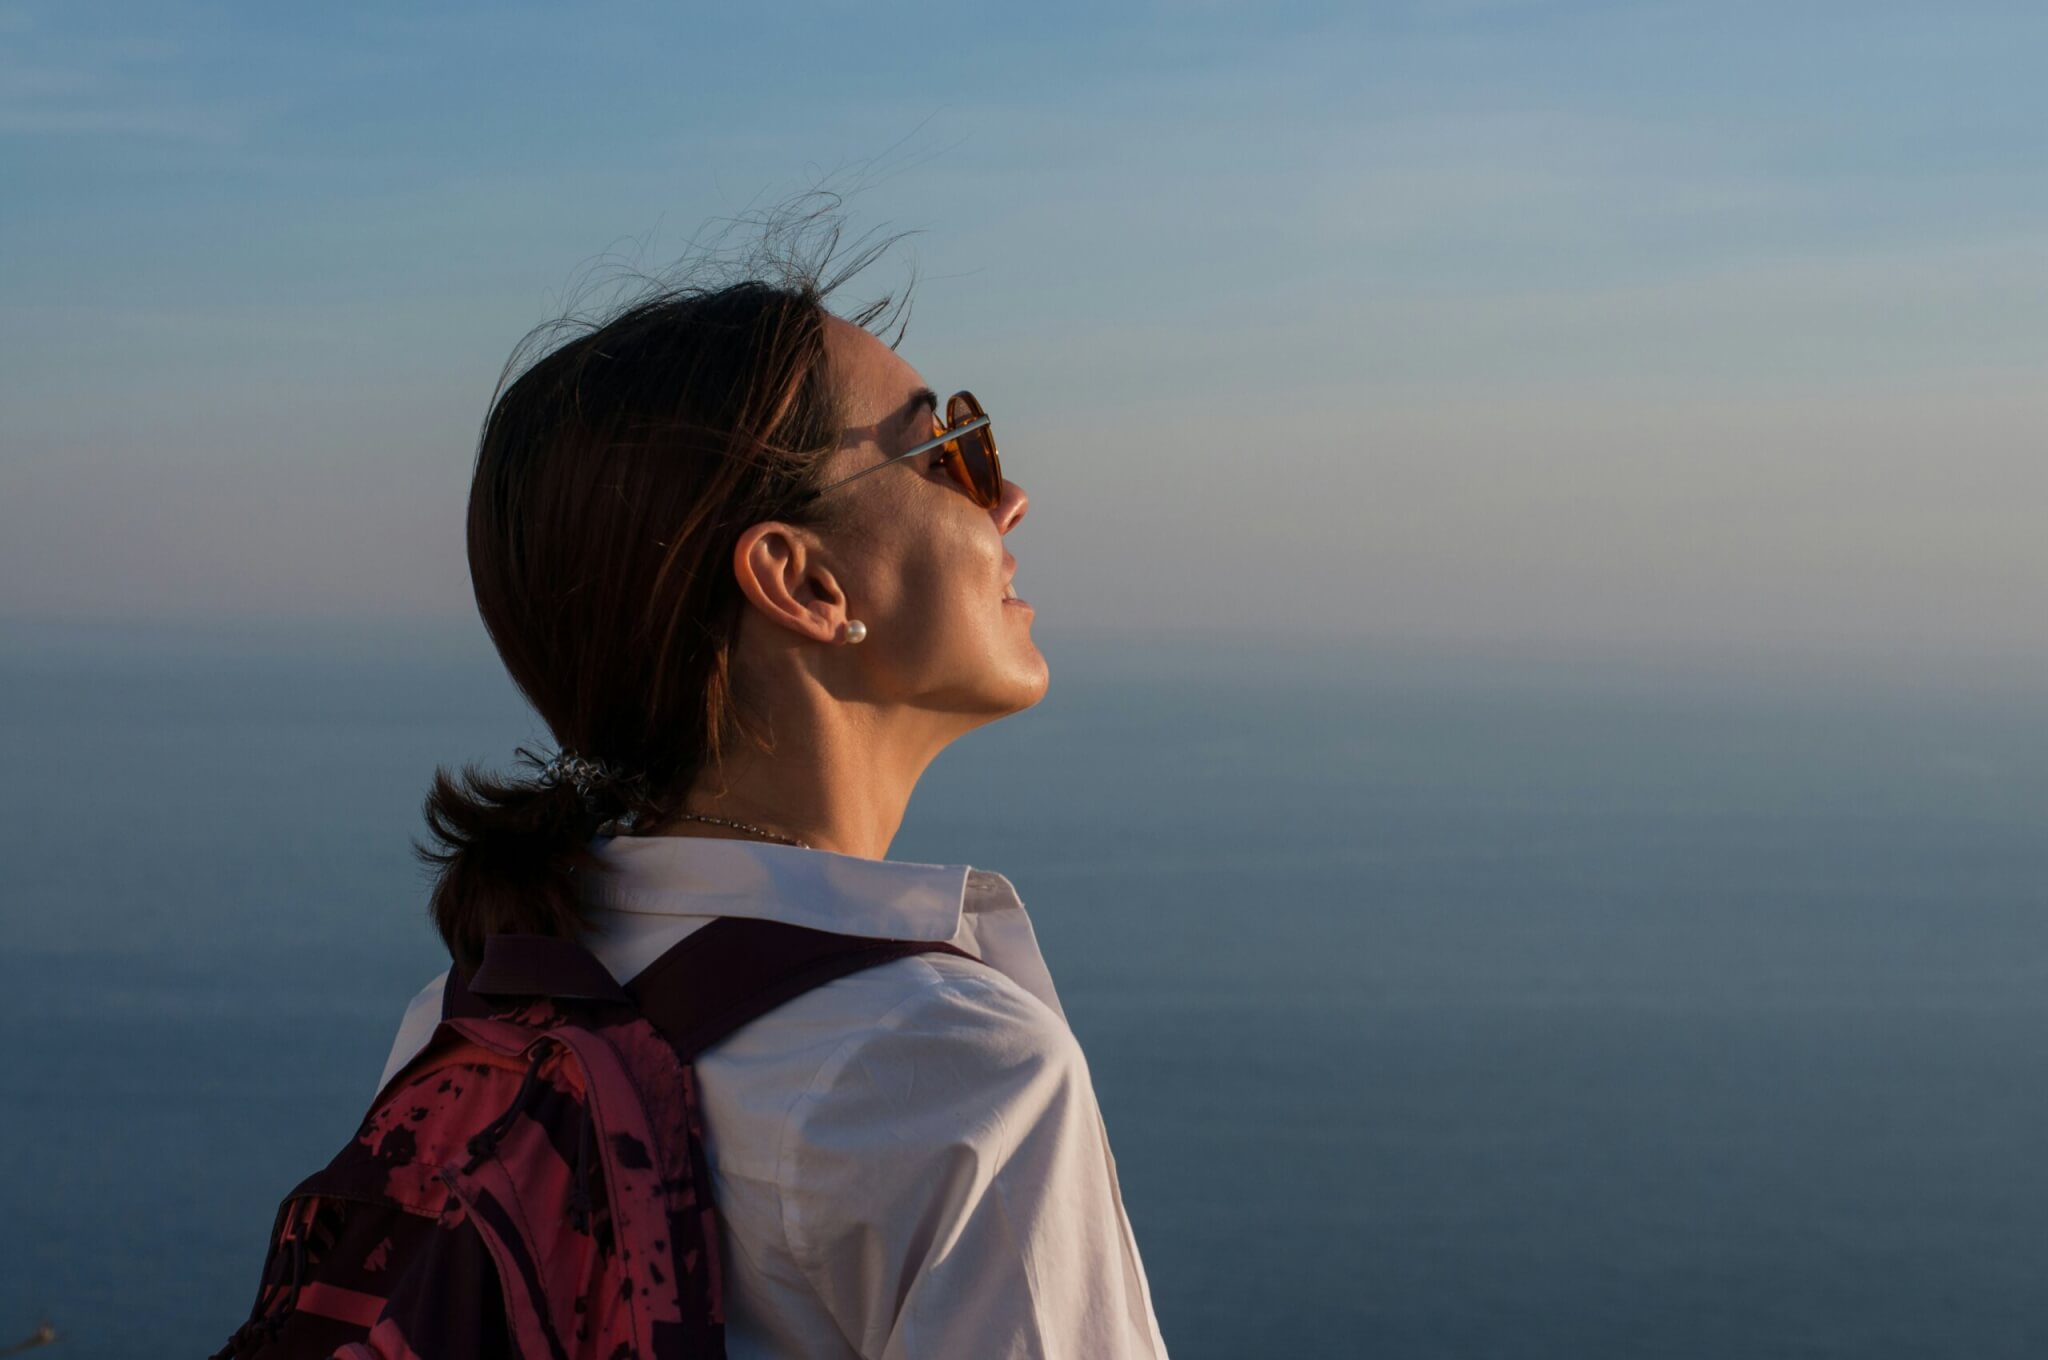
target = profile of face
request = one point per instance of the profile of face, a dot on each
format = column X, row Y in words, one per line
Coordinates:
column 905, row 551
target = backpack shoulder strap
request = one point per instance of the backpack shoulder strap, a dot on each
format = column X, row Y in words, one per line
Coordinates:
column 524, row 966
column 737, row 969
column 707, row 985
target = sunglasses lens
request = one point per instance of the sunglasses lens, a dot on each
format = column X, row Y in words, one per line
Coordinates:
column 973, row 462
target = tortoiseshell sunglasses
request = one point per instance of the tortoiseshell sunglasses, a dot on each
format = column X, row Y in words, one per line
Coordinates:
column 970, row 448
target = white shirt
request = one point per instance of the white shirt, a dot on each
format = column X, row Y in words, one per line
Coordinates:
column 908, row 1162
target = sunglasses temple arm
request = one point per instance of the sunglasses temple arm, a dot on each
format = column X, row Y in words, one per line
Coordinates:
column 888, row 462
column 948, row 437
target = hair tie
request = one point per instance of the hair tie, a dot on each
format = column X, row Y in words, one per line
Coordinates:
column 567, row 767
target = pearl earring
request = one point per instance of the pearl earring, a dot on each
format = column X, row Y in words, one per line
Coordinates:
column 856, row 631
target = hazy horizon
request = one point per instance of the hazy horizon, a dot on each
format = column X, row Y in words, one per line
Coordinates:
column 1281, row 659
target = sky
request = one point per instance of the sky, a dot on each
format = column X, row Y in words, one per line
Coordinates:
column 1685, row 329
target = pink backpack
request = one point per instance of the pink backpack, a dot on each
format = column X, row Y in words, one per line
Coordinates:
column 533, row 1183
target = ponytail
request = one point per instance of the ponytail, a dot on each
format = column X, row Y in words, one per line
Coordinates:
column 512, row 855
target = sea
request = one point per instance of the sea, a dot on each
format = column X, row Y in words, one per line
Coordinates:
column 1440, row 1003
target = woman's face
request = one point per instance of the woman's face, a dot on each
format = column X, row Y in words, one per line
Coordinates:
column 921, row 564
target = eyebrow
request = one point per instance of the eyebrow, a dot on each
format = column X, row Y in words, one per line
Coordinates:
column 923, row 396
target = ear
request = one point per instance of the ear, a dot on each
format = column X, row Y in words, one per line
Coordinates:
column 783, row 575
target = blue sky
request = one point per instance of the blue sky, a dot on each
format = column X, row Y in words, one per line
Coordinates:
column 1651, row 327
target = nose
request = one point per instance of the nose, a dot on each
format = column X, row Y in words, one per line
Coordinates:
column 1011, row 507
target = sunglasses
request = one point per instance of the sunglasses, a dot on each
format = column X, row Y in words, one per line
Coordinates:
column 970, row 449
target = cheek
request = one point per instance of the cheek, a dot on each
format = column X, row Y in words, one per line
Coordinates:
column 948, row 582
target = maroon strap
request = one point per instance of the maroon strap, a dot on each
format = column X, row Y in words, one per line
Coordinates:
column 542, row 965
column 736, row 969
column 703, row 988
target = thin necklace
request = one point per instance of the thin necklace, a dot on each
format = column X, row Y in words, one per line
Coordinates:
column 742, row 826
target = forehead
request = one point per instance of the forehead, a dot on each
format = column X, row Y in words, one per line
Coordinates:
column 873, row 380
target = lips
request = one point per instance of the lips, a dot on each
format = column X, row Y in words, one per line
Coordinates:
column 1010, row 595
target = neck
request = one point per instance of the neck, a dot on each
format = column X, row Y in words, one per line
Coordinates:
column 839, row 778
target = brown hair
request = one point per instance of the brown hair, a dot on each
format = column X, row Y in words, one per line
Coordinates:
column 613, row 479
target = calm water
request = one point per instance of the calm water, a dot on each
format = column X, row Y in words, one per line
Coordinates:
column 1436, row 1009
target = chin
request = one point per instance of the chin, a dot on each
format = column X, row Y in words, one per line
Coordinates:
column 1032, row 677
column 1012, row 682
column 979, row 675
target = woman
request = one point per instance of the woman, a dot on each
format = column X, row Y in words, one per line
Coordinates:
column 720, row 545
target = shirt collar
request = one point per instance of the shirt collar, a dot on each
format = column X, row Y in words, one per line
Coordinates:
column 876, row 898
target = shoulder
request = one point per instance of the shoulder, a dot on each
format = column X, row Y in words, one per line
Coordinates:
column 944, row 1176
column 422, row 1014
column 942, row 1008
column 821, row 1108
column 924, row 1049
column 936, row 1012
column 427, row 1000
column 948, row 1058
